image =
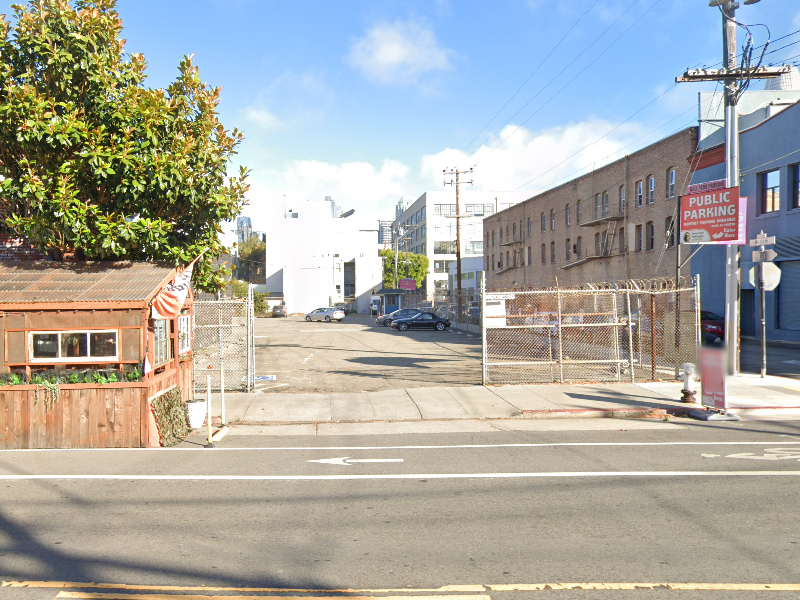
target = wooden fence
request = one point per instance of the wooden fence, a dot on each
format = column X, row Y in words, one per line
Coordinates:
column 114, row 415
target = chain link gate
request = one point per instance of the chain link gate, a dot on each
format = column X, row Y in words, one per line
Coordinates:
column 629, row 331
column 224, row 336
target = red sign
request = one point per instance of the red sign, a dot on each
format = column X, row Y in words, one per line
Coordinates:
column 713, row 217
column 408, row 284
column 712, row 375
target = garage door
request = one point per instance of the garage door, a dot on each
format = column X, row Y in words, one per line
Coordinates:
column 788, row 293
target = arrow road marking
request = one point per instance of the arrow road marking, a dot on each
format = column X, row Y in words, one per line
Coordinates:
column 771, row 454
column 346, row 460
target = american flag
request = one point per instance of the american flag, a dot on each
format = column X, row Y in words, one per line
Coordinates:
column 168, row 303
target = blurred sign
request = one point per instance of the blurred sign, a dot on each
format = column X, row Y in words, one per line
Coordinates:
column 495, row 313
column 500, row 296
column 712, row 376
column 772, row 276
column 408, row 284
column 762, row 239
column 765, row 256
column 713, row 217
column 708, row 186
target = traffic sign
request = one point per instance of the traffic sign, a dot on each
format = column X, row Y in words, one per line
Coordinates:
column 762, row 239
column 772, row 276
column 765, row 256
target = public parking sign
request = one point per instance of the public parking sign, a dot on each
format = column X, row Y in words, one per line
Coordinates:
column 713, row 217
column 408, row 284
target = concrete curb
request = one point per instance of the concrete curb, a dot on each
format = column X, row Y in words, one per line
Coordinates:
column 600, row 413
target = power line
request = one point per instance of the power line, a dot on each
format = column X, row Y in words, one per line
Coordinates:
column 524, row 83
column 599, row 56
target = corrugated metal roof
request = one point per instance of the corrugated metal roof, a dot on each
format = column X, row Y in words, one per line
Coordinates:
column 44, row 281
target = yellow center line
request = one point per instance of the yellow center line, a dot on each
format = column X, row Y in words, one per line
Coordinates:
column 209, row 588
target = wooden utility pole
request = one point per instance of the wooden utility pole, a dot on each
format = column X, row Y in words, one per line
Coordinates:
column 458, row 183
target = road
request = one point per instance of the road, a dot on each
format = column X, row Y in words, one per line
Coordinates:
column 358, row 356
column 695, row 503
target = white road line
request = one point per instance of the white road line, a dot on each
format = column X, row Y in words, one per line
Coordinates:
column 454, row 447
column 555, row 474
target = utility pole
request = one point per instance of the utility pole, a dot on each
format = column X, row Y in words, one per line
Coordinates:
column 731, row 75
column 458, row 183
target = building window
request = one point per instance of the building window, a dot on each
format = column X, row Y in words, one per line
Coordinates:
column 650, row 235
column 669, row 232
column 770, row 191
column 500, row 233
column 552, row 219
column 444, row 209
column 492, row 262
column 622, row 240
column 514, row 258
column 568, row 250
column 579, row 247
column 598, row 206
column 671, row 183
column 544, row 224
column 639, row 194
column 492, row 238
column 515, row 232
column 544, row 254
column 622, row 199
column 506, row 232
column 161, row 350
column 605, row 204
column 567, row 216
column 500, row 261
column 529, row 255
column 444, row 247
column 422, row 213
column 73, row 346
column 552, row 252
column 638, row 241
column 530, row 227
column 184, row 334
column 442, row 266
column 474, row 248
column 508, row 259
column 598, row 251
column 580, row 212
column 651, row 189
column 795, row 171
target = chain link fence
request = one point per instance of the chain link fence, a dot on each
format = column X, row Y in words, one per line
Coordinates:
column 224, row 337
column 630, row 331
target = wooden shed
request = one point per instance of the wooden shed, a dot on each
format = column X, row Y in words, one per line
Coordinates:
column 89, row 327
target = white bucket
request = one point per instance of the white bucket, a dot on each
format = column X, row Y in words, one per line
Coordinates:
column 196, row 413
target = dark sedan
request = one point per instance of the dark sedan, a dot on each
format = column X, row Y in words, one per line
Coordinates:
column 279, row 310
column 386, row 320
column 424, row 320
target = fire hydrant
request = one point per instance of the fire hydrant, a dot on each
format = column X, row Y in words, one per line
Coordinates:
column 689, row 380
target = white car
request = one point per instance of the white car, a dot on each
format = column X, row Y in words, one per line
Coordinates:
column 325, row 314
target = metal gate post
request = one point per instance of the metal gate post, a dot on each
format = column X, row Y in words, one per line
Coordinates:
column 653, row 335
column 630, row 332
column 483, row 331
column 560, row 340
column 615, row 333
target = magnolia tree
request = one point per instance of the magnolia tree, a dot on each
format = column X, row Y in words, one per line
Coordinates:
column 416, row 265
column 96, row 165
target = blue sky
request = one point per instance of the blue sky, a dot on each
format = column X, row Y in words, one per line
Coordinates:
column 368, row 101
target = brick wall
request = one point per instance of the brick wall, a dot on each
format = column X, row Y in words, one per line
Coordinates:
column 524, row 246
column 15, row 248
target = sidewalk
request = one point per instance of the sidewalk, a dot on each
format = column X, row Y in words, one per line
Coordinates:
column 747, row 395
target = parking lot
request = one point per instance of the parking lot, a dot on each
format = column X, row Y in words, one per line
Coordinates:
column 358, row 356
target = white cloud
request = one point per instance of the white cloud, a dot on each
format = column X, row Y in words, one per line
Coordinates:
column 399, row 53
column 532, row 160
column 261, row 117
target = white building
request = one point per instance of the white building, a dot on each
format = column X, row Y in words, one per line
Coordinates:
column 316, row 260
column 429, row 225
column 471, row 276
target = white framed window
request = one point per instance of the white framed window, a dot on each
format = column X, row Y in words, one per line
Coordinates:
column 639, row 194
column 161, row 348
column 671, row 183
column 184, row 334
column 651, row 189
column 95, row 345
column 622, row 200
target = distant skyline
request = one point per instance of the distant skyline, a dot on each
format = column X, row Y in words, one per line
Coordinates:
column 369, row 101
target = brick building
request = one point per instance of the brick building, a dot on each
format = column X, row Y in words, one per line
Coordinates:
column 612, row 223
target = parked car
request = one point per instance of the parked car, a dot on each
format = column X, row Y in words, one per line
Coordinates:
column 342, row 306
column 713, row 327
column 326, row 314
column 386, row 320
column 279, row 310
column 423, row 320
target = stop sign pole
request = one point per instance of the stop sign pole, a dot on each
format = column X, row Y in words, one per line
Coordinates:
column 761, row 256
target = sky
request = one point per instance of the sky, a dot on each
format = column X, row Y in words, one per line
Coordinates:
column 368, row 101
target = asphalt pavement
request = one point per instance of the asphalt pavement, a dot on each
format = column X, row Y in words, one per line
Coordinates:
column 357, row 355
column 488, row 515
column 783, row 359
